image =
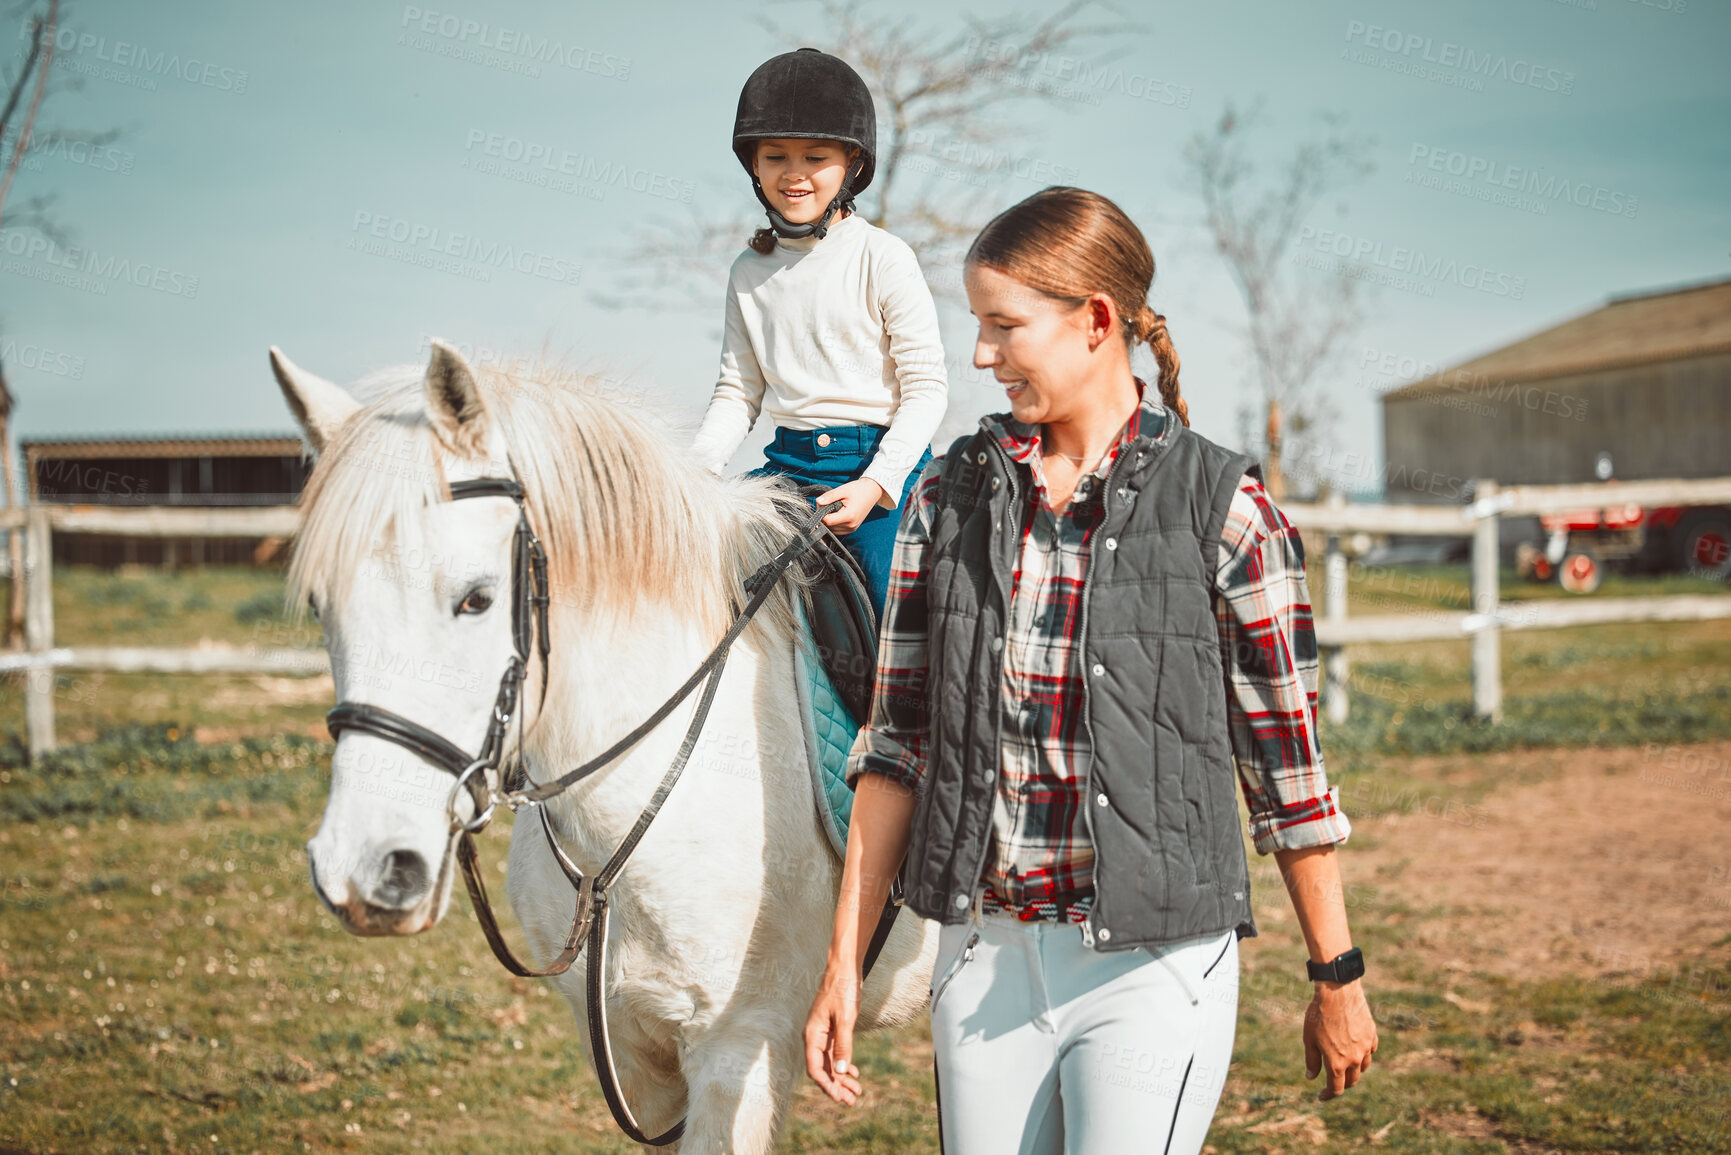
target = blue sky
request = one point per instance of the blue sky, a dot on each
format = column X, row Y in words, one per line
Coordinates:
column 266, row 147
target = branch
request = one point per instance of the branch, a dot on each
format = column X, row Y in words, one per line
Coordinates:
column 677, row 264
column 41, row 49
column 1294, row 331
column 16, row 92
column 927, row 88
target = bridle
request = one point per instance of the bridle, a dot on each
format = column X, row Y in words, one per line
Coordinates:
column 488, row 783
column 529, row 600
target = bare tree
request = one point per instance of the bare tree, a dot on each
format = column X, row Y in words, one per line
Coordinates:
column 33, row 76
column 1294, row 327
column 945, row 146
column 26, row 91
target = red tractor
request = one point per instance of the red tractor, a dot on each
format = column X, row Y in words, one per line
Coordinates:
column 1578, row 543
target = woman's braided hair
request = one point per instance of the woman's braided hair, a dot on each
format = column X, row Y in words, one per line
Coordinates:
column 1069, row 243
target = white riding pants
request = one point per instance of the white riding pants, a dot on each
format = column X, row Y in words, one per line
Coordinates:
column 1043, row 1046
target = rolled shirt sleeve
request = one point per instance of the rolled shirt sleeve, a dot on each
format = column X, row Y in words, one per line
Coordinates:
column 1268, row 647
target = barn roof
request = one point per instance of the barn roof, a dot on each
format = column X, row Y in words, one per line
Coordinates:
column 268, row 444
column 1634, row 329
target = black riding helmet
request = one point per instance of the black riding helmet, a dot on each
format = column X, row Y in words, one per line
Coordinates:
column 807, row 95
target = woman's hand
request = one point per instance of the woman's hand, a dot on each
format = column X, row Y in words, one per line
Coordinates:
column 829, row 1034
column 1338, row 1030
column 877, row 840
column 1340, row 1034
column 857, row 498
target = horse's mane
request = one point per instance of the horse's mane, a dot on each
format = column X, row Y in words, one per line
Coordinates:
column 628, row 521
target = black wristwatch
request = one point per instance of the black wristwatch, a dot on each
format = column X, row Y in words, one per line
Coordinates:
column 1342, row 969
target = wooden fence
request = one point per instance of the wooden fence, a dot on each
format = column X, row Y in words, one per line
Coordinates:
column 42, row 658
column 1489, row 615
column 1484, row 622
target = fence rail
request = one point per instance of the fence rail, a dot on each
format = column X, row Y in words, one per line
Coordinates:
column 1335, row 630
column 1489, row 615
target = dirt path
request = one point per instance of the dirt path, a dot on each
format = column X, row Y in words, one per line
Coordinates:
column 1615, row 861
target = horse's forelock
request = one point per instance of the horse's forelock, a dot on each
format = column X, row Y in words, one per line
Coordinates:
column 625, row 517
column 362, row 500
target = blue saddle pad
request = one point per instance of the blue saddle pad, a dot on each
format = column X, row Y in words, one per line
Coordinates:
column 829, row 734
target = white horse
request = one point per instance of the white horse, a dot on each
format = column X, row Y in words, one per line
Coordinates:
column 721, row 920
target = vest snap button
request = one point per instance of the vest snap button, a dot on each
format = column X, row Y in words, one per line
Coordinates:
column 1099, row 669
column 823, row 439
column 961, row 901
column 981, row 459
column 987, row 777
column 1101, row 800
column 1105, row 934
column 1111, row 543
column 995, row 482
column 997, row 644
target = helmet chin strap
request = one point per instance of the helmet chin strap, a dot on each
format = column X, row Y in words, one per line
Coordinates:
column 819, row 228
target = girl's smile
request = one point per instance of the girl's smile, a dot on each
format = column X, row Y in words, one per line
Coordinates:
column 801, row 177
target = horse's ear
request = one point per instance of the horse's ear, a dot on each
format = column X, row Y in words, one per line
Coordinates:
column 319, row 406
column 454, row 402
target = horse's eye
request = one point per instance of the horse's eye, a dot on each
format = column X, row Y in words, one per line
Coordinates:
column 313, row 606
column 475, row 602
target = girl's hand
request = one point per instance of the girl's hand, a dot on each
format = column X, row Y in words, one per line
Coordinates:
column 1339, row 1033
column 829, row 1035
column 857, row 498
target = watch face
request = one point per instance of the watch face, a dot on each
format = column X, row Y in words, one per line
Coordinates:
column 1342, row 969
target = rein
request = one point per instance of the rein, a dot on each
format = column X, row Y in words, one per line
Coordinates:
column 482, row 775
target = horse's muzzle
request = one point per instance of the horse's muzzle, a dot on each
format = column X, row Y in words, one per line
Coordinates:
column 391, row 894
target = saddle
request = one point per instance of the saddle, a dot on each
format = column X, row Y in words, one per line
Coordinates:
column 844, row 626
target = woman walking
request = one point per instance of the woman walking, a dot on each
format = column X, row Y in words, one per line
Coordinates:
column 1093, row 613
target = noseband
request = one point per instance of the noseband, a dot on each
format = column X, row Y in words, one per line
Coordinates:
column 481, row 776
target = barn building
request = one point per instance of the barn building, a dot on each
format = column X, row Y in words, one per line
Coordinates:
column 1645, row 378
column 225, row 471
column 1639, row 387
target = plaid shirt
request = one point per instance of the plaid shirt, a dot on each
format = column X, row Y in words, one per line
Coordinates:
column 1039, row 863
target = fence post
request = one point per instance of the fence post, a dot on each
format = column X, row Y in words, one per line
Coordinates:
column 1487, row 642
column 38, row 629
column 1335, row 662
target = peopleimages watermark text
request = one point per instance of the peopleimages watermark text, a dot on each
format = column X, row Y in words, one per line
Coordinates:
column 1515, row 185
column 1404, row 267
column 513, row 45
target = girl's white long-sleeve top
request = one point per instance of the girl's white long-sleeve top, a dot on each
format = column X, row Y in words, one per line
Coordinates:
column 841, row 331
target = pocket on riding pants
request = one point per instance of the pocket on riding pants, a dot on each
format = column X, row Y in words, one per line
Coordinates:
column 964, row 937
column 1196, row 963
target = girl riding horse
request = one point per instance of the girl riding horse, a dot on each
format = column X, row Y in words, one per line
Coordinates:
column 830, row 325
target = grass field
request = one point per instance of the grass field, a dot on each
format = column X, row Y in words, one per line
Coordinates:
column 168, row 980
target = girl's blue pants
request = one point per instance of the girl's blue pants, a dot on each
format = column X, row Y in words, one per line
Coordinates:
column 830, row 457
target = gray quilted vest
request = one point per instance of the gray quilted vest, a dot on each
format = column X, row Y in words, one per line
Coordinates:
column 1162, row 798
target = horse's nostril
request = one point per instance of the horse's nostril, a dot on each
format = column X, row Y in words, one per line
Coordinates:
column 404, row 880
